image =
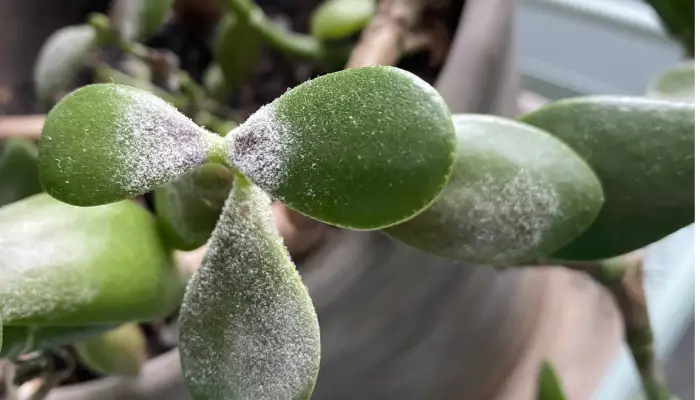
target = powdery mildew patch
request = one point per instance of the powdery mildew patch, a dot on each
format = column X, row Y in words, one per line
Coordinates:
column 155, row 144
column 248, row 328
column 31, row 283
column 259, row 148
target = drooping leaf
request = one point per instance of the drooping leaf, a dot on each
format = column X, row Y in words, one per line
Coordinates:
column 20, row 339
column 139, row 19
column 362, row 148
column 676, row 84
column 549, row 387
column 516, row 194
column 121, row 351
column 643, row 153
column 189, row 206
column 65, row 265
column 237, row 50
column 106, row 142
column 19, row 177
column 338, row 19
column 248, row 329
column 61, row 58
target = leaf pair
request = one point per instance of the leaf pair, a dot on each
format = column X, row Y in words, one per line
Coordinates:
column 519, row 193
column 363, row 148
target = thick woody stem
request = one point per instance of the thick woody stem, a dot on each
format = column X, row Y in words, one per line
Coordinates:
column 631, row 300
column 623, row 277
column 384, row 39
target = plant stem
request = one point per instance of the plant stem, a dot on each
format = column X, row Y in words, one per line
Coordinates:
column 193, row 96
column 622, row 276
column 292, row 43
column 384, row 39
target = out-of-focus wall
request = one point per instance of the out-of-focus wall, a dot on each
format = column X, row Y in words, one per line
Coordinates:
column 571, row 47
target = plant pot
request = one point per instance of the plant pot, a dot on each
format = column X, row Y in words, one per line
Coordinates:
column 400, row 324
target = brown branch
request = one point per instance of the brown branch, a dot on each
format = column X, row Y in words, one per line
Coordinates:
column 28, row 126
column 631, row 299
column 623, row 277
column 383, row 40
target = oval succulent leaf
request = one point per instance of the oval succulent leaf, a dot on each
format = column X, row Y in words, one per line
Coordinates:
column 516, row 194
column 19, row 177
column 237, row 50
column 61, row 58
column 549, row 387
column 121, row 351
column 139, row 19
column 676, row 84
column 643, row 153
column 20, row 339
column 338, row 19
column 361, row 148
column 248, row 328
column 189, row 206
column 67, row 265
column 106, row 142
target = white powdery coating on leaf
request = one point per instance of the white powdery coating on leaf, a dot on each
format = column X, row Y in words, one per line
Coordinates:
column 61, row 57
column 155, row 144
column 31, row 284
column 248, row 329
column 501, row 222
column 259, row 148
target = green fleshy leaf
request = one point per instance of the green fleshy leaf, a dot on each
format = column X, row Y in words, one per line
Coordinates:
column 643, row 153
column 189, row 206
column 237, row 50
column 248, row 328
column 516, row 194
column 139, row 19
column 549, row 386
column 106, row 142
column 61, row 58
column 338, row 19
column 121, row 351
column 66, row 265
column 19, row 177
column 25, row 339
column 362, row 148
column 676, row 84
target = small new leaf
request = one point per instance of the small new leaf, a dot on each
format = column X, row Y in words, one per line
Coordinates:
column 137, row 20
column 61, row 58
column 642, row 151
column 248, row 329
column 237, row 50
column 67, row 265
column 189, row 206
column 338, row 19
column 676, row 84
column 104, row 142
column 362, row 148
column 549, row 387
column 516, row 194
column 18, row 170
column 121, row 351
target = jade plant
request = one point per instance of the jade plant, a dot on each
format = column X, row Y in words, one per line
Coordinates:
column 579, row 183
